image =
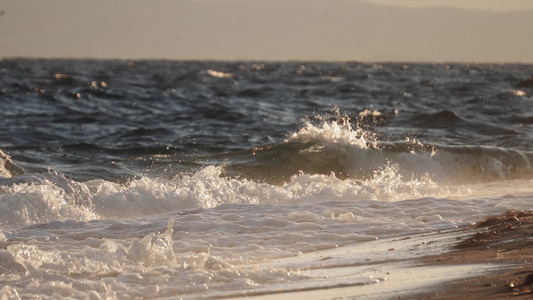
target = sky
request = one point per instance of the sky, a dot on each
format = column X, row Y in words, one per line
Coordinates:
column 326, row 30
column 494, row 5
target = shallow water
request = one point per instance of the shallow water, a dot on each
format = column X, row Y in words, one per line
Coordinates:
column 152, row 179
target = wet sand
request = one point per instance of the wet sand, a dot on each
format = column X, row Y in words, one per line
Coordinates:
column 491, row 260
column 504, row 240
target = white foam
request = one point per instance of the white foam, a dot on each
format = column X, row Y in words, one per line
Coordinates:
column 50, row 197
column 192, row 252
column 333, row 133
column 211, row 235
column 218, row 74
column 30, row 203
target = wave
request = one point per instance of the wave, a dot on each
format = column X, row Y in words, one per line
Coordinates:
column 335, row 147
column 7, row 167
column 326, row 160
column 29, row 199
column 39, row 198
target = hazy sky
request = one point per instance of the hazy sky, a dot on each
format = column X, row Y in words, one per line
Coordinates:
column 378, row 30
column 495, row 5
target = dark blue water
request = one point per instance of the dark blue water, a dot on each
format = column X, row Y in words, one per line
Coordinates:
column 119, row 120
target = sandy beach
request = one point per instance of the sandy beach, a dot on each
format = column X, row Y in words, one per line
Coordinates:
column 490, row 260
column 507, row 241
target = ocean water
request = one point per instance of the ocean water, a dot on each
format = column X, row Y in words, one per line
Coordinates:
column 168, row 179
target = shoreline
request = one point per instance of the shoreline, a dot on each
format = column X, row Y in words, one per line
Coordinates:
column 490, row 260
column 504, row 240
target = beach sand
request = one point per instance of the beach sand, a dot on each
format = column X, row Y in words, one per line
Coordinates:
column 507, row 241
column 491, row 260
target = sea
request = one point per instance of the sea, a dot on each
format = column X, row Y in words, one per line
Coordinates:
column 155, row 179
